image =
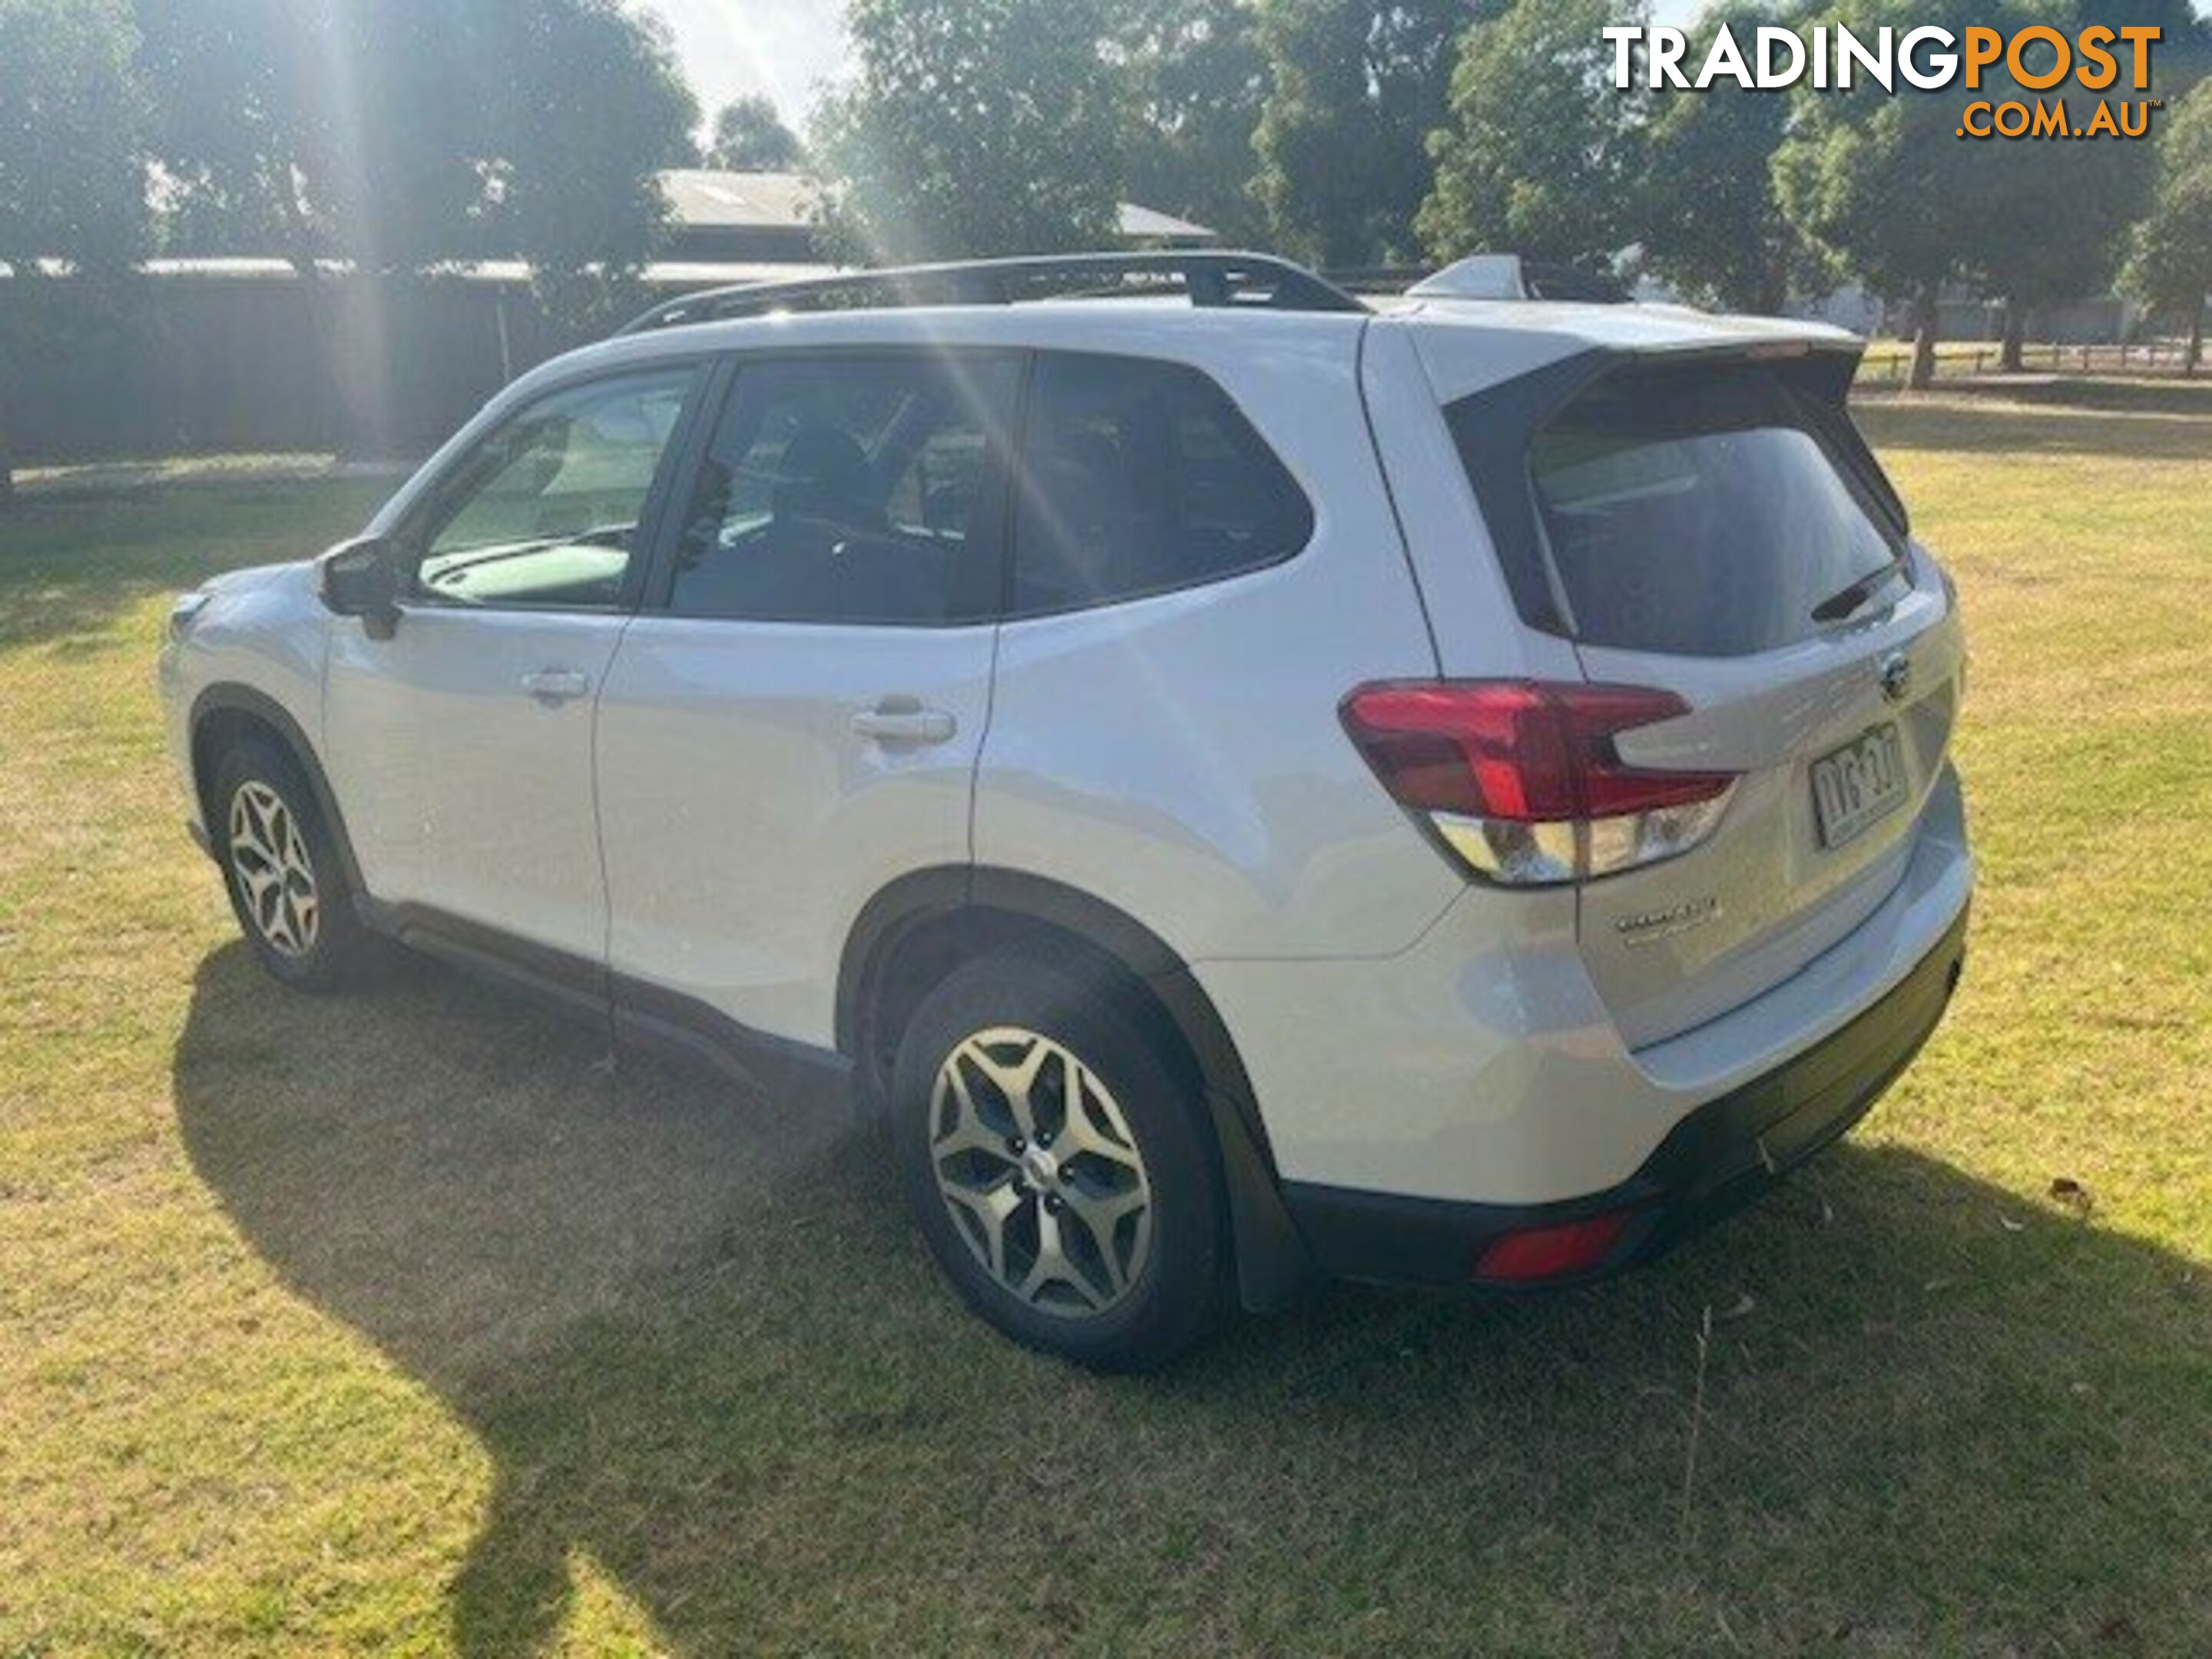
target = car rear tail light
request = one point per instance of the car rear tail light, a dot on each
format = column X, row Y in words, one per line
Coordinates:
column 1520, row 778
column 1541, row 1253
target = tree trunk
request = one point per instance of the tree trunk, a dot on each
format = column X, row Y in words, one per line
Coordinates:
column 2190, row 359
column 1923, row 339
column 1773, row 296
column 2015, row 336
column 7, row 446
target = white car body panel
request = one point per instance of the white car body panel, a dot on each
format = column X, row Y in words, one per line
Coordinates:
column 263, row 629
column 1508, row 1082
column 747, row 823
column 1147, row 753
column 464, row 792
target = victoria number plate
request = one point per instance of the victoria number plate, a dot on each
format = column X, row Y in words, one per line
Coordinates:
column 1858, row 783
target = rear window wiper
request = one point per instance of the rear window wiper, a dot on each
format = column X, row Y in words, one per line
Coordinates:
column 1838, row 605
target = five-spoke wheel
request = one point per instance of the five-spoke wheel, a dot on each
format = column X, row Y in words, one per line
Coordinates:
column 287, row 884
column 269, row 862
column 1053, row 1142
column 1038, row 1168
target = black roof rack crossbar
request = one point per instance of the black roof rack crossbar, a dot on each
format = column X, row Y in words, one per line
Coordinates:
column 1209, row 277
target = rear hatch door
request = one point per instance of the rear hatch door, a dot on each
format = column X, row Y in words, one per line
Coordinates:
column 1712, row 526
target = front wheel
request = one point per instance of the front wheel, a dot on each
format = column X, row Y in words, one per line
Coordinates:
column 1053, row 1152
column 281, row 865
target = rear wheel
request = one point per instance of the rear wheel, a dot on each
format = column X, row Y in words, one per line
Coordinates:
column 1052, row 1151
column 281, row 865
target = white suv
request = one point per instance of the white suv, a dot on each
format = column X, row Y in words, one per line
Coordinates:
column 1245, row 784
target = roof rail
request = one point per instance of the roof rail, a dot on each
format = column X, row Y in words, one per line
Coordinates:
column 1211, row 278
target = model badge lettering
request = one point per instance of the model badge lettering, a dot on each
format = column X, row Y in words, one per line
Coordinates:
column 1652, row 926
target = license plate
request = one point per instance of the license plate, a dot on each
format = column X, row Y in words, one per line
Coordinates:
column 1858, row 783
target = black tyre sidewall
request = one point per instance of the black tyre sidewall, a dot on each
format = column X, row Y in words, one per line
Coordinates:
column 1179, row 1291
column 340, row 940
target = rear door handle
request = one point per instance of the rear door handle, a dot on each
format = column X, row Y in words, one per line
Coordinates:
column 555, row 684
column 903, row 719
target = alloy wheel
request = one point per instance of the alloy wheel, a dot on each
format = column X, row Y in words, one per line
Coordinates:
column 275, row 878
column 1036, row 1163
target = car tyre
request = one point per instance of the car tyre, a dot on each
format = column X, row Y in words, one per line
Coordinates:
column 1052, row 1144
column 281, row 866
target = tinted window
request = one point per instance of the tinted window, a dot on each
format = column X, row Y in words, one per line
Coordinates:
column 1138, row 477
column 860, row 489
column 1702, row 510
column 545, row 510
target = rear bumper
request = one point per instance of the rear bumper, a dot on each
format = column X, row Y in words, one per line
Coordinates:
column 1717, row 1158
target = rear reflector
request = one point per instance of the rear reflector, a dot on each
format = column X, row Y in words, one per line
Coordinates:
column 1539, row 1253
column 1521, row 780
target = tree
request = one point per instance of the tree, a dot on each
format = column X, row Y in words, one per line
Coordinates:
column 2170, row 264
column 970, row 128
column 580, row 200
column 1713, row 224
column 1882, row 180
column 1355, row 86
column 398, row 134
column 1540, row 153
column 337, row 128
column 72, row 178
column 2049, row 222
column 749, row 136
column 1197, row 80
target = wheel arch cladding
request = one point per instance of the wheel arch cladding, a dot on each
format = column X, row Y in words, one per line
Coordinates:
column 225, row 714
column 916, row 927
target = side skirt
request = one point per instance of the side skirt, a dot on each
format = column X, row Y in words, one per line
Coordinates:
column 630, row 1011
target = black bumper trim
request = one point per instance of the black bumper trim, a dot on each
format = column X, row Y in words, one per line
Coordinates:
column 1718, row 1158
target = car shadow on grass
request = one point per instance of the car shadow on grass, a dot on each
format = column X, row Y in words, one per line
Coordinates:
column 704, row 1349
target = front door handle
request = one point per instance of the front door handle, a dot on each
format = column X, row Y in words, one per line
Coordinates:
column 555, row 684
column 903, row 719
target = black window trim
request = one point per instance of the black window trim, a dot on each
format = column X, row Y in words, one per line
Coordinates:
column 656, row 597
column 407, row 534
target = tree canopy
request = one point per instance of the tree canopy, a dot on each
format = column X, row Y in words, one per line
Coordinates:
column 1197, row 78
column 749, row 136
column 1540, row 154
column 970, row 128
column 1712, row 220
column 1355, row 86
column 72, row 174
column 398, row 133
column 2170, row 262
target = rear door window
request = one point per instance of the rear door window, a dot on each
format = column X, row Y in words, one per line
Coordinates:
column 853, row 488
column 1703, row 510
column 1138, row 477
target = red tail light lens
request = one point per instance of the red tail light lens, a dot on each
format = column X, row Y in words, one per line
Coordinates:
column 1541, row 1253
column 1482, row 756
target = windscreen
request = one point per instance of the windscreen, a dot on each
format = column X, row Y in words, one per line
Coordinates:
column 1704, row 510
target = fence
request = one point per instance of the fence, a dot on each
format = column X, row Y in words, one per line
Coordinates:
column 245, row 356
column 1893, row 365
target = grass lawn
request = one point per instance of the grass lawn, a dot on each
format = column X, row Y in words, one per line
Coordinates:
column 402, row 1323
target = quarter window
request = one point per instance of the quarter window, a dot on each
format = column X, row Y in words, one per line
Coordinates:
column 852, row 489
column 1139, row 476
column 546, row 510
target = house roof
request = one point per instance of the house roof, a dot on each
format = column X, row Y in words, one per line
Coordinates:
column 705, row 199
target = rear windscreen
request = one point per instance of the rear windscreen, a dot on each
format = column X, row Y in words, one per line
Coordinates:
column 1704, row 510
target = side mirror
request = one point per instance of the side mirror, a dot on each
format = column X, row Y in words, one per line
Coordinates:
column 361, row 579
